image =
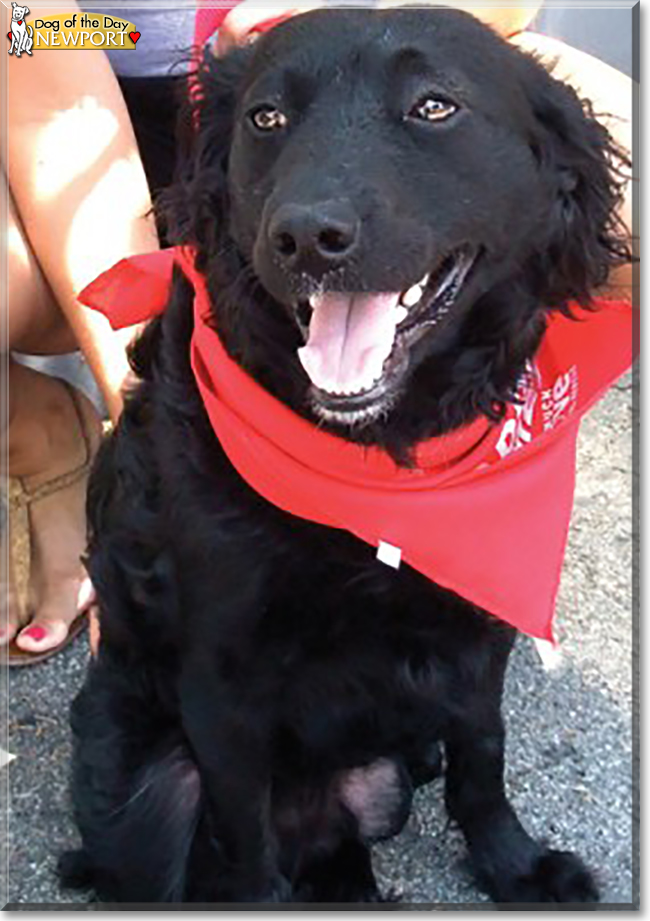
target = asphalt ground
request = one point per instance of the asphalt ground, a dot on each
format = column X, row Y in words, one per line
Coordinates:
column 570, row 731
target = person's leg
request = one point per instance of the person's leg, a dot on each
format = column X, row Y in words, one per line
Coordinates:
column 36, row 325
column 44, row 439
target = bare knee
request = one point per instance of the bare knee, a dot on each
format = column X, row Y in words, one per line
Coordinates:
column 34, row 321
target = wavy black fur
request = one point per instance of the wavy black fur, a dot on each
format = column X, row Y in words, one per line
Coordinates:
column 267, row 694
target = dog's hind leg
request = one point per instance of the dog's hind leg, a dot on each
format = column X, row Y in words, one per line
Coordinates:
column 137, row 850
column 508, row 863
column 136, row 792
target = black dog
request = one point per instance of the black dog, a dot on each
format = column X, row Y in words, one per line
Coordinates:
column 267, row 694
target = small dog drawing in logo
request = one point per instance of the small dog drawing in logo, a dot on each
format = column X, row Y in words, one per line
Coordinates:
column 21, row 34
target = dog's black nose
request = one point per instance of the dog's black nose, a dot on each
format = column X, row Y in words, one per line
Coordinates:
column 324, row 233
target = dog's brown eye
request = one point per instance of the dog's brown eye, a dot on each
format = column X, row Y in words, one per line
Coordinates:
column 266, row 118
column 433, row 109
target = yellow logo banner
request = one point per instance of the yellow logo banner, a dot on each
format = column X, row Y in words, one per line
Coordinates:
column 83, row 30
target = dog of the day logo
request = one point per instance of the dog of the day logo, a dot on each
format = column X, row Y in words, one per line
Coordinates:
column 20, row 35
column 62, row 31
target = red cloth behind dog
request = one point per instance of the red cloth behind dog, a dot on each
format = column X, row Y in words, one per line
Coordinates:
column 208, row 20
column 486, row 510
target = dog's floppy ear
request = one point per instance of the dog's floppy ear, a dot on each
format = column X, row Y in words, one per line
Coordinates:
column 586, row 173
column 195, row 208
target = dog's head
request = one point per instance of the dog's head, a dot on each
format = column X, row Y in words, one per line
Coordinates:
column 386, row 204
column 18, row 12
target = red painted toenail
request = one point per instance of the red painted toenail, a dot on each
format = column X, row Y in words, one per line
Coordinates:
column 35, row 633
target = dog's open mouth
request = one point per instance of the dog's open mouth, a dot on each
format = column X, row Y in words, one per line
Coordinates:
column 357, row 344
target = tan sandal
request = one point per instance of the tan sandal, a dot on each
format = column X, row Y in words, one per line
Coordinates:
column 20, row 498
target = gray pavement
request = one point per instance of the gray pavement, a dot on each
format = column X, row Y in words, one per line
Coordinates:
column 570, row 729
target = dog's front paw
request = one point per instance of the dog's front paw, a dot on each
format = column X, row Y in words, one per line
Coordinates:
column 554, row 876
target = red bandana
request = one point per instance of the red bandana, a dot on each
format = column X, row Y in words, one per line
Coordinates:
column 208, row 20
column 485, row 512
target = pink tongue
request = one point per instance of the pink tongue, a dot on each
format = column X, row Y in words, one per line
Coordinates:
column 350, row 337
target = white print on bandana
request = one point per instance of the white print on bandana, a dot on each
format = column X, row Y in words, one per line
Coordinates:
column 557, row 402
column 517, row 431
column 560, row 400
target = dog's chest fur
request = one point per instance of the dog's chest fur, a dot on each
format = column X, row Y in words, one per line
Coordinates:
column 352, row 659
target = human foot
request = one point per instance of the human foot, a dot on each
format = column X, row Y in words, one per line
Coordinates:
column 54, row 432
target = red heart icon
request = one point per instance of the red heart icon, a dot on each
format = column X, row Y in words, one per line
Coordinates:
column 134, row 36
column 9, row 35
column 20, row 22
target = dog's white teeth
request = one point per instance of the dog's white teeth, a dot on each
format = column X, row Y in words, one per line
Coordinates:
column 411, row 297
column 347, row 391
column 402, row 313
column 361, row 384
column 357, row 387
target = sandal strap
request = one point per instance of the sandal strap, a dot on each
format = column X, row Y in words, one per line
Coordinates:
column 56, row 484
column 26, row 496
column 19, row 499
column 21, row 541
